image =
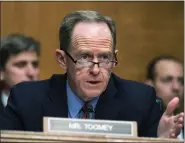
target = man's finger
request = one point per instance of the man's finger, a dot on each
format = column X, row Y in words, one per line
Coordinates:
column 175, row 119
column 172, row 105
column 177, row 129
column 181, row 115
column 180, row 121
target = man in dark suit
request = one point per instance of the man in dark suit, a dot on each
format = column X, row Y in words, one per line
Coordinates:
column 18, row 62
column 87, row 52
column 166, row 74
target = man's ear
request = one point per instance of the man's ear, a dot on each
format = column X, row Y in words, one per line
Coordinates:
column 116, row 52
column 61, row 58
column 149, row 82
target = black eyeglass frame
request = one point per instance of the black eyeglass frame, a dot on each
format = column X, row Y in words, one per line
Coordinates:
column 94, row 63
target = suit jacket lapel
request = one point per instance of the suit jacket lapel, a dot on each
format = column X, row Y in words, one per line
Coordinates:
column 55, row 104
column 108, row 106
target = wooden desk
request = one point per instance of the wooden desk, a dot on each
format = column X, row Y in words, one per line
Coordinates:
column 19, row 136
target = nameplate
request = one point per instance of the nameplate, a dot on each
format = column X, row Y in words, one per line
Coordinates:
column 87, row 126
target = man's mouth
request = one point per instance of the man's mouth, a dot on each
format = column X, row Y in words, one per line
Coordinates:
column 93, row 82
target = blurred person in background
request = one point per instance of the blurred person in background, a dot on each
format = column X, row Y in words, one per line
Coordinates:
column 18, row 62
column 165, row 73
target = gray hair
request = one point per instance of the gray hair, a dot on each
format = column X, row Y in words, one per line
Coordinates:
column 70, row 20
column 14, row 44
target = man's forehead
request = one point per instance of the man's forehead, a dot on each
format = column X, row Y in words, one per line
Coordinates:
column 169, row 68
column 24, row 56
column 92, row 36
column 91, row 30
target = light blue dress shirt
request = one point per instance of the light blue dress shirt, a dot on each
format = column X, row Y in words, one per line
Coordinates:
column 75, row 103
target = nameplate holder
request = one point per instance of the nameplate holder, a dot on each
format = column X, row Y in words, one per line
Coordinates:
column 88, row 126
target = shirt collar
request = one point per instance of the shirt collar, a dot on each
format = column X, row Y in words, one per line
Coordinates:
column 4, row 98
column 75, row 103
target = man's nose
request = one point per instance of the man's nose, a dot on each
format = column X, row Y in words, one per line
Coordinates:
column 175, row 86
column 95, row 70
column 30, row 72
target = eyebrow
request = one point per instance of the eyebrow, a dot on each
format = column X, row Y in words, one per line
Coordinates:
column 21, row 61
column 172, row 77
column 25, row 62
column 83, row 52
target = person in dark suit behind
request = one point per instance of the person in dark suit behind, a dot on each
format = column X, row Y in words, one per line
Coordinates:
column 18, row 62
column 166, row 74
column 88, row 54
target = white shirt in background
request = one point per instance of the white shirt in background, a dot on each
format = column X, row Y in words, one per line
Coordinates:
column 4, row 98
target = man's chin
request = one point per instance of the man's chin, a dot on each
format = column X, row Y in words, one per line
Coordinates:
column 92, row 93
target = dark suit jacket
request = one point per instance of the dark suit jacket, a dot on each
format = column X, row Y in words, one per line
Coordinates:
column 122, row 100
column 1, row 105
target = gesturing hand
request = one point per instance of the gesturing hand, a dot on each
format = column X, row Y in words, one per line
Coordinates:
column 170, row 125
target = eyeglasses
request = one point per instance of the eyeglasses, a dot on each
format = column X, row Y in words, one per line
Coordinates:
column 82, row 63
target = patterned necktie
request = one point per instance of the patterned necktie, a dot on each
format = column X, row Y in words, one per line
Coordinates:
column 86, row 111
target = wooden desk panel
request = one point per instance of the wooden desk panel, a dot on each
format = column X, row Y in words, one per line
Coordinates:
column 19, row 136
